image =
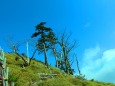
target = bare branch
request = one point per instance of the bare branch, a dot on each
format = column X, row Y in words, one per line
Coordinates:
column 66, row 41
column 11, row 43
column 71, row 47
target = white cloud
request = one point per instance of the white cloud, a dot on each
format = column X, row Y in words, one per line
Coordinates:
column 99, row 65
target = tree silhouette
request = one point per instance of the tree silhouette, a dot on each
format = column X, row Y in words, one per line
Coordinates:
column 46, row 39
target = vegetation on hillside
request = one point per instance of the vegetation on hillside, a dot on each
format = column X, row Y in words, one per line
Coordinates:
column 29, row 76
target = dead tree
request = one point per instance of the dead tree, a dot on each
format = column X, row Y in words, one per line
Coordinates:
column 56, row 56
column 78, row 65
column 66, row 48
column 12, row 44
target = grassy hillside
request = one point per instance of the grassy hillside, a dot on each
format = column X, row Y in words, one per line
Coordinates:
column 29, row 76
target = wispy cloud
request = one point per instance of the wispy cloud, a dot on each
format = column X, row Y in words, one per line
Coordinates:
column 99, row 65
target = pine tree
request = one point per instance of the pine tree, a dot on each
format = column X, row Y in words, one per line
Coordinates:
column 46, row 39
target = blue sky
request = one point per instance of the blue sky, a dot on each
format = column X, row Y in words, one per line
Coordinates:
column 90, row 21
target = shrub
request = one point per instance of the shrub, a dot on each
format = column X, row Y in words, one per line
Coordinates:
column 81, row 77
column 17, row 58
column 92, row 79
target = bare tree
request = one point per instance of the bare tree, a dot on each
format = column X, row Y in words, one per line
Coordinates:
column 56, row 56
column 66, row 47
column 12, row 44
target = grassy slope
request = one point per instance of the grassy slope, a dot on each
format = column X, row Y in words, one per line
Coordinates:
column 29, row 76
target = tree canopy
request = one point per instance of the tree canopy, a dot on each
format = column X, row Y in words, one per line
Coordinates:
column 46, row 39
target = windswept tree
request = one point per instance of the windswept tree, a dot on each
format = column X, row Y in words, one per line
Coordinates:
column 46, row 39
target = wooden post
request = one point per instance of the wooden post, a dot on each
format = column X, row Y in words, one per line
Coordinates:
column 27, row 53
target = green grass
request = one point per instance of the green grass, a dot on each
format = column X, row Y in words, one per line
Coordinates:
column 28, row 76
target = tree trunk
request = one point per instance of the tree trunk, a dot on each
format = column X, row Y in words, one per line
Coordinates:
column 65, row 58
column 32, row 56
column 78, row 66
column 55, row 57
column 14, row 49
column 26, row 63
column 66, row 65
column 45, row 55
